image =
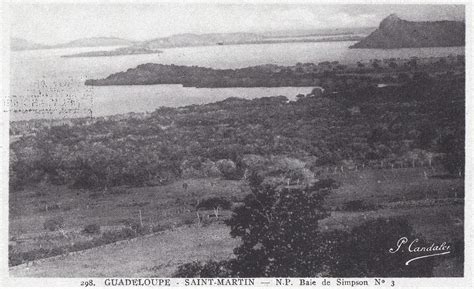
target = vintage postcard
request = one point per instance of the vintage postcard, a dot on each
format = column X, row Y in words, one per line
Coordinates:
column 230, row 143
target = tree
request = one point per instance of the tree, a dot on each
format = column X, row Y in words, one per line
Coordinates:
column 278, row 228
column 214, row 203
column 227, row 168
column 453, row 146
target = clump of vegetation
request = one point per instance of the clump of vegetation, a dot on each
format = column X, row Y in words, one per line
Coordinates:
column 358, row 206
column 228, row 169
column 209, row 269
column 188, row 219
column 54, row 224
column 49, row 207
column 160, row 228
column 92, row 229
column 327, row 183
column 118, row 191
column 123, row 234
column 214, row 203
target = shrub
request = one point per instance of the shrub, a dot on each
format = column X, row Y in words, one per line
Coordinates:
column 453, row 146
column 189, row 270
column 92, row 229
column 214, row 202
column 188, row 219
column 114, row 236
column 118, row 191
column 132, row 224
column 144, row 230
column 228, row 169
column 358, row 206
column 160, row 228
column 54, row 224
column 326, row 184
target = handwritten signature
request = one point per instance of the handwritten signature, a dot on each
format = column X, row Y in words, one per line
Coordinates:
column 412, row 247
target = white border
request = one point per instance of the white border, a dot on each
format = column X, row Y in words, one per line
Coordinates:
column 466, row 282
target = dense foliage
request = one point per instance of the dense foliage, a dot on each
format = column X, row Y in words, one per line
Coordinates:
column 419, row 123
column 278, row 229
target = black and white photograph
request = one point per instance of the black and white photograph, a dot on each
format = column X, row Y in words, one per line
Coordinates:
column 220, row 143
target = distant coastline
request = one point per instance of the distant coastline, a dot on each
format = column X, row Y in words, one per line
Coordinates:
column 137, row 49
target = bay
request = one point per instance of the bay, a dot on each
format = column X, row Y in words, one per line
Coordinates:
column 47, row 85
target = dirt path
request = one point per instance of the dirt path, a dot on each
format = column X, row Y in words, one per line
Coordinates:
column 157, row 256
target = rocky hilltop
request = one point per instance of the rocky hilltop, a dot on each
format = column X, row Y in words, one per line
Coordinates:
column 394, row 32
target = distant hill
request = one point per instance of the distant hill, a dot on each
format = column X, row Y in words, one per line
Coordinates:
column 394, row 32
column 23, row 44
column 190, row 39
column 130, row 50
column 96, row 41
column 319, row 32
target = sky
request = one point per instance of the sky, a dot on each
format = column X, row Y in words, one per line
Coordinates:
column 52, row 23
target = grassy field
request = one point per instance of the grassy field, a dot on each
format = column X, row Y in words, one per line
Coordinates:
column 158, row 255
column 429, row 203
column 163, row 207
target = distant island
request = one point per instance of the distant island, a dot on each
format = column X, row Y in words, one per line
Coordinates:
column 17, row 44
column 116, row 52
column 394, row 32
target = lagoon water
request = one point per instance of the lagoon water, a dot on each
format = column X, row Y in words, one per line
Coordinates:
column 43, row 79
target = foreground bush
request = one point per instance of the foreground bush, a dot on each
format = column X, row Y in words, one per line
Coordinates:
column 92, row 229
column 278, row 229
column 54, row 224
